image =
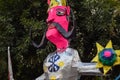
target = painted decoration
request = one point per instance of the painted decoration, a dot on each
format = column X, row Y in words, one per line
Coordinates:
column 53, row 3
column 61, row 65
column 106, row 57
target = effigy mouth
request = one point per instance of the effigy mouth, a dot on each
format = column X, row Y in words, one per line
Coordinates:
column 51, row 25
column 50, row 20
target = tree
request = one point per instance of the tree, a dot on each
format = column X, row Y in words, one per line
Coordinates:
column 97, row 21
column 16, row 18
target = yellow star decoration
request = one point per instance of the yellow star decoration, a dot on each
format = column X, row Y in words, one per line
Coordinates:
column 61, row 63
column 53, row 78
column 106, row 68
column 45, row 68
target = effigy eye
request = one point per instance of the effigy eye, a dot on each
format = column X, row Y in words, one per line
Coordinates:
column 60, row 12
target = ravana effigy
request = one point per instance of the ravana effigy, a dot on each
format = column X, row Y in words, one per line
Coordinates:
column 64, row 63
column 59, row 64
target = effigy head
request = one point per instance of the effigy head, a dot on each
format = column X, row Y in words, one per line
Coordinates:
column 61, row 66
column 60, row 15
column 58, row 12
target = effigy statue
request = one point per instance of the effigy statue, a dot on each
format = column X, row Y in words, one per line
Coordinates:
column 64, row 63
column 59, row 65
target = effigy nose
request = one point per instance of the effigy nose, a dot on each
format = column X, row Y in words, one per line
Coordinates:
column 50, row 20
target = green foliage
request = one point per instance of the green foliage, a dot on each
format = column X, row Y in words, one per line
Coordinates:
column 97, row 21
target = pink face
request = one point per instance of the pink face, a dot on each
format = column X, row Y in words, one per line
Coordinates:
column 59, row 14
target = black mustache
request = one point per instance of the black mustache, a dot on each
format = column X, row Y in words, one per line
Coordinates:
column 61, row 30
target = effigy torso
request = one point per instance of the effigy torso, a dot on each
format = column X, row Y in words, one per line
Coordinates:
column 60, row 66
